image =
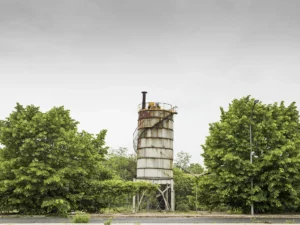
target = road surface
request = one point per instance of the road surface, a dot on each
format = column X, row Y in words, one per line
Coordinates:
column 154, row 220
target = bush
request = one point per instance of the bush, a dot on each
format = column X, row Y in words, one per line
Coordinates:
column 108, row 222
column 57, row 206
column 81, row 218
column 183, row 207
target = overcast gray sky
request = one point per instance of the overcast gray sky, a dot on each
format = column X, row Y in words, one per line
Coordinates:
column 95, row 57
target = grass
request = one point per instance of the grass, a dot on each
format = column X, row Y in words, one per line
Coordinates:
column 108, row 222
column 116, row 210
column 81, row 217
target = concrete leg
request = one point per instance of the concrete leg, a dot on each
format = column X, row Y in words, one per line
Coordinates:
column 167, row 196
column 133, row 204
column 172, row 196
column 138, row 202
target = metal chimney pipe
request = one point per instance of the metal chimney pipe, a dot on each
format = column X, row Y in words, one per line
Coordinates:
column 144, row 99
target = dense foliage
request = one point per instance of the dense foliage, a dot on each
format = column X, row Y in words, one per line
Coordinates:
column 195, row 168
column 183, row 185
column 276, row 158
column 123, row 163
column 48, row 166
column 182, row 159
column 186, row 179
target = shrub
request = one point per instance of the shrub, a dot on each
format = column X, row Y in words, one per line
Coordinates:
column 57, row 206
column 182, row 207
column 81, row 217
column 108, row 222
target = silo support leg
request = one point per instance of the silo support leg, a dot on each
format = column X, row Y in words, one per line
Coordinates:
column 164, row 197
column 172, row 197
column 140, row 200
column 133, row 204
column 167, row 195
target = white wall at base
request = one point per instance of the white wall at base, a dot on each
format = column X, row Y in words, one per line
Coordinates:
column 155, row 163
column 169, row 181
column 154, row 173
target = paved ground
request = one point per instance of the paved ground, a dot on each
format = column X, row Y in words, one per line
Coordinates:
column 154, row 220
column 142, row 224
column 115, row 223
column 159, row 218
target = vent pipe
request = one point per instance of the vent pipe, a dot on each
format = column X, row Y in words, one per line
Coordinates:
column 144, row 99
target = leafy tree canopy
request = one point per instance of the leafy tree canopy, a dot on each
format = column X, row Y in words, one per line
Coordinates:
column 186, row 178
column 195, row 168
column 182, row 159
column 123, row 163
column 183, row 185
column 48, row 166
column 276, row 158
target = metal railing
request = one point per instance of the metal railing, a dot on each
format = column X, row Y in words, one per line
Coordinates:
column 158, row 106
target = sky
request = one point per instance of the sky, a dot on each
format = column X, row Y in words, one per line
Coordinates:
column 96, row 56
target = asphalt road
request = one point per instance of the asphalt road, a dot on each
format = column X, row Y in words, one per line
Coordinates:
column 164, row 220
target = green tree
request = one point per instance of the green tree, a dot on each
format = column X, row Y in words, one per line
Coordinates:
column 207, row 192
column 187, row 186
column 46, row 165
column 183, row 185
column 123, row 163
column 185, row 181
column 195, row 168
column 182, row 159
column 276, row 159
